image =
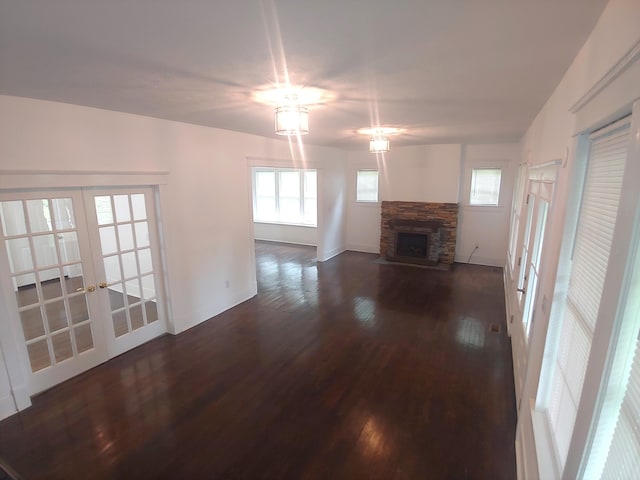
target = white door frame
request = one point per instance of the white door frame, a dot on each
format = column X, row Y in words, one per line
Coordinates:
column 540, row 185
column 10, row 181
column 59, row 372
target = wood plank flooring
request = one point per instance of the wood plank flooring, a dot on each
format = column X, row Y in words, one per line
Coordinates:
column 347, row 369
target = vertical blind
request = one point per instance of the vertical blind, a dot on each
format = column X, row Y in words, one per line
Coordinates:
column 592, row 245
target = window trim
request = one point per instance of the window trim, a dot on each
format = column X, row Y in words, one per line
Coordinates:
column 276, row 171
column 472, row 170
column 596, row 374
column 368, row 202
column 465, row 186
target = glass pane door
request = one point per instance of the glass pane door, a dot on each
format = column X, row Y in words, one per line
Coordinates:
column 534, row 267
column 46, row 245
column 125, row 236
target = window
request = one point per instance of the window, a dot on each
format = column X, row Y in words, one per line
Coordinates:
column 367, row 186
column 285, row 196
column 573, row 334
column 485, row 186
column 615, row 451
column 515, row 216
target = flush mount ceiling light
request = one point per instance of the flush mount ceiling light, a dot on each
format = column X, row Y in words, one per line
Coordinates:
column 379, row 142
column 292, row 105
column 292, row 118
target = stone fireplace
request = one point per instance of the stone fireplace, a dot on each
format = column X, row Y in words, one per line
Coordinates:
column 419, row 232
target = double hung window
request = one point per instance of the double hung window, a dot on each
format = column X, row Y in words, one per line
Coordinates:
column 285, row 196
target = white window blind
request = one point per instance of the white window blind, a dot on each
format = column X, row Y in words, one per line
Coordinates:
column 592, row 245
column 367, row 186
column 485, row 186
column 623, row 458
column 615, row 451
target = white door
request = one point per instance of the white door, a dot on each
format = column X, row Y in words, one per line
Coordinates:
column 124, row 236
column 83, row 267
column 47, row 266
column 537, row 208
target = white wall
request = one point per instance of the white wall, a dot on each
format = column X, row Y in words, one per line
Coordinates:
column 275, row 232
column 426, row 173
column 332, row 183
column 486, row 227
column 600, row 86
column 205, row 203
column 434, row 173
column 330, row 165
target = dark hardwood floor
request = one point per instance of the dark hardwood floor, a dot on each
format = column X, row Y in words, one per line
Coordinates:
column 347, row 369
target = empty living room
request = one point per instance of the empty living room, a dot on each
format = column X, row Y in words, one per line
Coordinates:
column 311, row 240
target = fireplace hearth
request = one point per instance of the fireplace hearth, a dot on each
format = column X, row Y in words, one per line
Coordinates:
column 419, row 233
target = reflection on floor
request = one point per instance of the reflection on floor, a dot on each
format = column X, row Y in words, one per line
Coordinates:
column 343, row 369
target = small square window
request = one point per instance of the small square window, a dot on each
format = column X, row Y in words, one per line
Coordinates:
column 367, row 186
column 485, row 186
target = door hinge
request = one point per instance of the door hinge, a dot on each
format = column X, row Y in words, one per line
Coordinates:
column 519, row 260
column 528, row 199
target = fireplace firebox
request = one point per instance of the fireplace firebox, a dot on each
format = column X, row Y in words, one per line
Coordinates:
column 414, row 245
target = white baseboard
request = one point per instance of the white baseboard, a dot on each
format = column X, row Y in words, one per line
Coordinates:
column 203, row 316
column 7, row 405
column 364, row 248
column 23, row 399
column 487, row 261
column 332, row 253
column 520, row 468
column 285, row 241
column 507, row 298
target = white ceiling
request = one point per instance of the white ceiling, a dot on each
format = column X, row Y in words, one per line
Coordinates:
column 446, row 70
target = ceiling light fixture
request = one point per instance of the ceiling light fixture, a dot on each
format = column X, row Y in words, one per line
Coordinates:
column 291, row 117
column 379, row 144
column 379, row 137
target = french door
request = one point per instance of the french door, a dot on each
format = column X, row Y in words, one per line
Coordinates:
column 82, row 266
column 539, row 195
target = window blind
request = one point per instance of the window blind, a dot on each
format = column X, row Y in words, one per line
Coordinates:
column 367, row 186
column 592, row 245
column 623, row 458
column 615, row 451
column 485, row 186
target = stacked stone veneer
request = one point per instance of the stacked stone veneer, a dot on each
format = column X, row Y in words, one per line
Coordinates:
column 447, row 213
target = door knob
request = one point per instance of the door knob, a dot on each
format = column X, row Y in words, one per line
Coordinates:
column 91, row 288
column 102, row 284
column 521, row 290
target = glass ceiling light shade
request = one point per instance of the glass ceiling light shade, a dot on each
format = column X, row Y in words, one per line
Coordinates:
column 379, row 137
column 291, row 117
column 379, row 144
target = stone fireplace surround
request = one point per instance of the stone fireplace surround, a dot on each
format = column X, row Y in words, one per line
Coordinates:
column 436, row 220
